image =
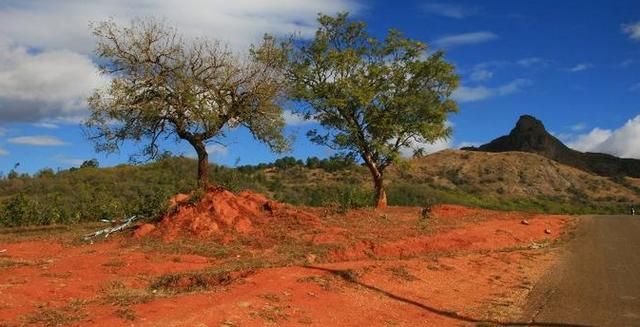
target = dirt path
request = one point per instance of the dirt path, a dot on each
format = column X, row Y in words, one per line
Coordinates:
column 597, row 283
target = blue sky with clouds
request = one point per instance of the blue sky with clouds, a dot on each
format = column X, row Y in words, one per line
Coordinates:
column 573, row 64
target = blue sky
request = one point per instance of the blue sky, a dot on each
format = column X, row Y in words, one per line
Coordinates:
column 573, row 64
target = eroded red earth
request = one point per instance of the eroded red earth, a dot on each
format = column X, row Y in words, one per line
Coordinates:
column 285, row 266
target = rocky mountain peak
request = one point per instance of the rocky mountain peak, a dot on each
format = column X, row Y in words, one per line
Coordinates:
column 530, row 135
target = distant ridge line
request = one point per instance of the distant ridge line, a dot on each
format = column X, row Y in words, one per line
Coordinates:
column 530, row 135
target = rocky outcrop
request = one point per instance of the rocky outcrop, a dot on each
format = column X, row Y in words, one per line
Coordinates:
column 530, row 135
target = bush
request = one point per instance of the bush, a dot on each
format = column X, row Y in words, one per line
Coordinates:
column 343, row 196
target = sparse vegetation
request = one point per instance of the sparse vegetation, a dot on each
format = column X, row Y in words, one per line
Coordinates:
column 203, row 280
column 90, row 194
column 47, row 316
column 401, row 273
column 118, row 294
column 126, row 314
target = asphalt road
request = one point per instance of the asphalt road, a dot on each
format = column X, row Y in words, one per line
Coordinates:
column 597, row 281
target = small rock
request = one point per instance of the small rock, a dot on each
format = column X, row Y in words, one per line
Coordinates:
column 3, row 250
column 244, row 304
column 524, row 222
column 535, row 246
column 311, row 258
column 547, row 231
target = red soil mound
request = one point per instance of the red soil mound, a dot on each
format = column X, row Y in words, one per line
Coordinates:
column 222, row 213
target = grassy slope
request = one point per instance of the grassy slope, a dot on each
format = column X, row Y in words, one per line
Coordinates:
column 518, row 181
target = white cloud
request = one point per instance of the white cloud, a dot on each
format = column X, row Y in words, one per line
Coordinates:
column 486, row 70
column 465, row 39
column 481, row 75
column 633, row 30
column 578, row 127
column 580, row 67
column 64, row 24
column 623, row 142
column 69, row 161
column 470, row 94
column 46, row 125
column 589, row 141
column 478, row 93
column 532, row 62
column 450, row 10
column 512, row 87
column 625, row 63
column 217, row 150
column 44, row 85
column 45, row 46
column 294, row 119
column 37, row 140
column 493, row 64
column 427, row 148
column 3, row 152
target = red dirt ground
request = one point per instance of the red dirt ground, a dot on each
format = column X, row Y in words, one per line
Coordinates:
column 293, row 267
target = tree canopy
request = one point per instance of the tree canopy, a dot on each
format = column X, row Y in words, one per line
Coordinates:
column 166, row 87
column 374, row 97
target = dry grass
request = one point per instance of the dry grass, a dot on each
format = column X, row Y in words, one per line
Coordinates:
column 115, row 263
column 8, row 262
column 126, row 313
column 117, row 293
column 71, row 313
column 402, row 273
column 325, row 282
column 203, row 280
column 272, row 314
column 65, row 234
column 510, row 174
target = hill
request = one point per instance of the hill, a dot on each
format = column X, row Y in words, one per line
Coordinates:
column 518, row 175
column 530, row 135
column 511, row 181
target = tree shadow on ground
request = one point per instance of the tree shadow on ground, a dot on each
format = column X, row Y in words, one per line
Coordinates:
column 348, row 276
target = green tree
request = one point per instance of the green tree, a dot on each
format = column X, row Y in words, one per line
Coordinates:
column 93, row 163
column 287, row 162
column 13, row 174
column 372, row 97
column 45, row 172
column 313, row 162
column 18, row 211
column 164, row 87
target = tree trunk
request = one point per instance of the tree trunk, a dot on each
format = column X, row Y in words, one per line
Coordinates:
column 203, row 164
column 381, row 195
column 378, row 182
